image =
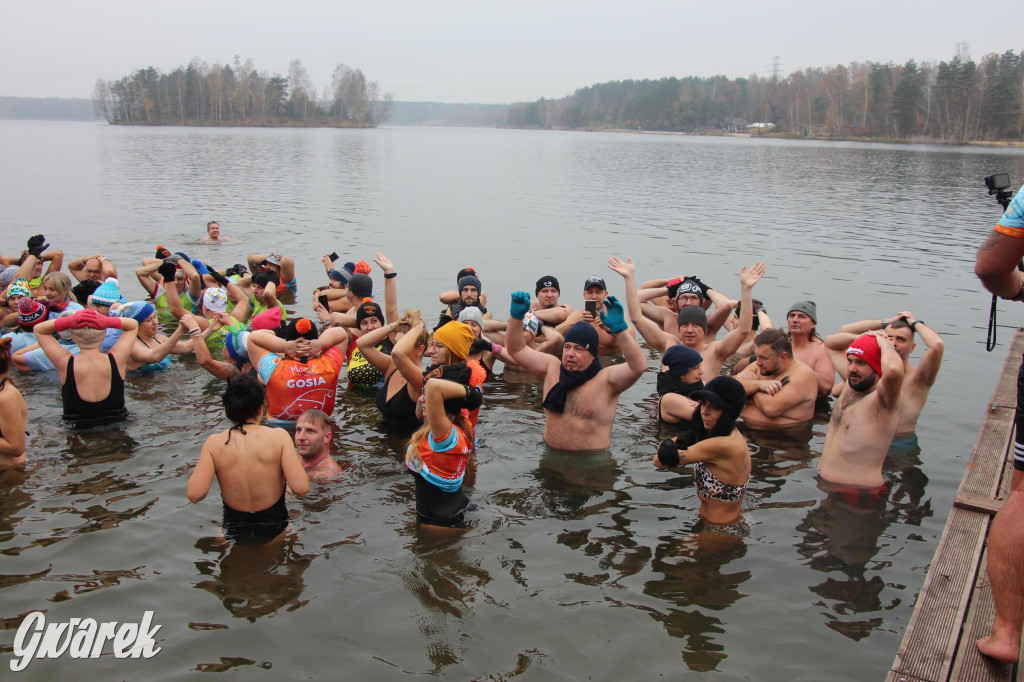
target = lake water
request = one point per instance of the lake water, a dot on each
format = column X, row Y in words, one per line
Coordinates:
column 573, row 566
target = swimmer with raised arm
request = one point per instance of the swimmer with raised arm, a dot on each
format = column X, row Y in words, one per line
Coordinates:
column 580, row 396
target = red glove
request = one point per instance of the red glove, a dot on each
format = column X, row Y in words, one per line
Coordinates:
column 62, row 324
column 86, row 318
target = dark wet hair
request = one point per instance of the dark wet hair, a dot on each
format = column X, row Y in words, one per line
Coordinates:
column 776, row 339
column 243, row 398
column 900, row 323
column 5, row 355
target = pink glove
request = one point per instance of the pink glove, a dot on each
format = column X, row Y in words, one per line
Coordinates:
column 62, row 324
column 85, row 318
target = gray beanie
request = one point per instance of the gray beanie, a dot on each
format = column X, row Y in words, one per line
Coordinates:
column 693, row 313
column 361, row 285
column 807, row 308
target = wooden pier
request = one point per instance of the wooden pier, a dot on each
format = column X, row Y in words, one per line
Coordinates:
column 954, row 608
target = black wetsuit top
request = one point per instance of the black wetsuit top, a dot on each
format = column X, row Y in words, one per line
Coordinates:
column 84, row 413
column 401, row 408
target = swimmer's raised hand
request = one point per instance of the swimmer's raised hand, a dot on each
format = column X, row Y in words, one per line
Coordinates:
column 625, row 269
column 520, row 305
column 614, row 319
column 384, row 263
column 748, row 278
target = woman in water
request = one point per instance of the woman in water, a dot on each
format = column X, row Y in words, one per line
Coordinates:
column 439, row 450
column 718, row 452
column 151, row 350
column 680, row 377
column 402, row 369
column 252, row 463
column 55, row 294
column 13, row 414
column 92, row 383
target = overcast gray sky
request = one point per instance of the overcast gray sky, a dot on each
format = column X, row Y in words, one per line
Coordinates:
column 483, row 51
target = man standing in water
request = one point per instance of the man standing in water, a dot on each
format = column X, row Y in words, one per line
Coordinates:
column 917, row 381
column 579, row 395
column 865, row 418
column 996, row 266
column 781, row 390
column 313, row 436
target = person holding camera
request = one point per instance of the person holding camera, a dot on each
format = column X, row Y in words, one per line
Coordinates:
column 595, row 295
column 997, row 267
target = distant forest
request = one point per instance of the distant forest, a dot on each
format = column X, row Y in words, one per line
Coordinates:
column 239, row 94
column 956, row 101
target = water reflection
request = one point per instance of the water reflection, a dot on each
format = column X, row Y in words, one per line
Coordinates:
column 841, row 537
column 569, row 482
column 253, row 581
column 696, row 580
column 446, row 584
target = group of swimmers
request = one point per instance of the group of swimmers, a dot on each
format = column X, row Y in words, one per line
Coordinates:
column 286, row 373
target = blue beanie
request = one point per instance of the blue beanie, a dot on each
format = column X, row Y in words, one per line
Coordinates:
column 107, row 293
column 681, row 359
column 235, row 345
column 137, row 310
column 583, row 334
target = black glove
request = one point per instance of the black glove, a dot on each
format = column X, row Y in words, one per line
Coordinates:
column 167, row 270
column 673, row 287
column 703, row 286
column 36, row 245
column 442, row 320
column 480, row 345
column 668, row 453
column 238, row 269
column 220, row 279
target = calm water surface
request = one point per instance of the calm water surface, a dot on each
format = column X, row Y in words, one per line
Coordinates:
column 574, row 565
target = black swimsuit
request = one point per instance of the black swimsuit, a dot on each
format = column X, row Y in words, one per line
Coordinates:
column 258, row 527
column 401, row 408
column 84, row 413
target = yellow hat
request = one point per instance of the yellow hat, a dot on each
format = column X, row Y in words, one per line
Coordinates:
column 456, row 337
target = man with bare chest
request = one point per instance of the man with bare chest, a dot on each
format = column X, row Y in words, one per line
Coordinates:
column 580, row 395
column 867, row 414
column 917, row 381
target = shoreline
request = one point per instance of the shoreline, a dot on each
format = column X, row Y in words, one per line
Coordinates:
column 917, row 139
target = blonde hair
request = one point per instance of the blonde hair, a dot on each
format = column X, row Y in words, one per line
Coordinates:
column 88, row 337
column 458, row 420
column 60, row 282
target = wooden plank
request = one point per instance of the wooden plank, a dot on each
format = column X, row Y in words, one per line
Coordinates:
column 977, row 503
column 982, row 474
column 969, row 664
column 935, row 627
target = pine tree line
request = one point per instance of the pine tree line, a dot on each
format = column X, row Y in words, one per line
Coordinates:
column 955, row 101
